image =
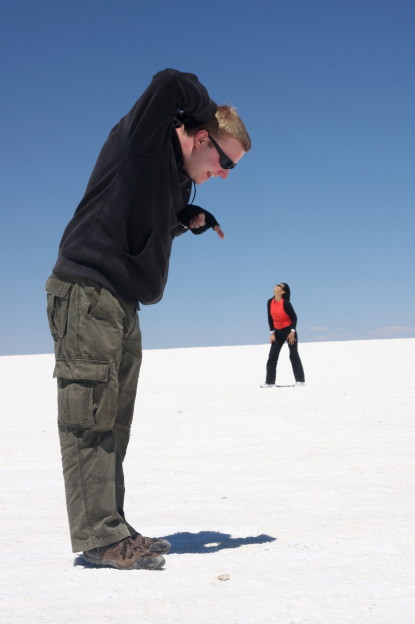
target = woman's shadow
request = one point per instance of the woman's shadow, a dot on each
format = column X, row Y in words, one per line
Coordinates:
column 199, row 543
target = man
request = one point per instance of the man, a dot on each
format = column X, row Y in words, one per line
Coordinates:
column 114, row 254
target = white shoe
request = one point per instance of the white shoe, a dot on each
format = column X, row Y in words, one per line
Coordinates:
column 300, row 383
column 265, row 385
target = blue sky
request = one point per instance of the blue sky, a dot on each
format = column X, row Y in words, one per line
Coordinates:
column 324, row 201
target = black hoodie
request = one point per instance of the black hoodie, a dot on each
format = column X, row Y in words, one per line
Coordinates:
column 121, row 233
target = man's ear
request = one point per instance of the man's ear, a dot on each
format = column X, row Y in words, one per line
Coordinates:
column 200, row 137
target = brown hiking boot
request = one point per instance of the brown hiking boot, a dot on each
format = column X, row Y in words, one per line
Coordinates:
column 124, row 555
column 152, row 544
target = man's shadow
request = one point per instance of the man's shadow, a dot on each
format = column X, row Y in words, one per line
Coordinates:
column 198, row 544
column 210, row 542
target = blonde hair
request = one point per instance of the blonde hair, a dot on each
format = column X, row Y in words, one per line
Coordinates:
column 226, row 123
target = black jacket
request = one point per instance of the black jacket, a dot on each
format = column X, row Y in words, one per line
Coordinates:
column 121, row 233
column 288, row 309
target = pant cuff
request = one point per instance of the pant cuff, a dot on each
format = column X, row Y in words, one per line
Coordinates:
column 96, row 542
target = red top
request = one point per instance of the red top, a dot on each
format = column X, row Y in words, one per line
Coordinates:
column 279, row 316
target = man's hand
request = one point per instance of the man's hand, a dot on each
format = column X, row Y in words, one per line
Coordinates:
column 219, row 231
column 199, row 220
column 272, row 338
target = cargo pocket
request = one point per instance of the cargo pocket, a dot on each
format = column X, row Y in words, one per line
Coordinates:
column 87, row 393
column 58, row 292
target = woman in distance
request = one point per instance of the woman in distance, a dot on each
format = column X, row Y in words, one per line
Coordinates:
column 282, row 321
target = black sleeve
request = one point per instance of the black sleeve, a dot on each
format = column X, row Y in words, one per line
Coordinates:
column 178, row 231
column 169, row 93
column 270, row 321
column 291, row 313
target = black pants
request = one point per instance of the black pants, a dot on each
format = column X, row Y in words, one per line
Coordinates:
column 281, row 336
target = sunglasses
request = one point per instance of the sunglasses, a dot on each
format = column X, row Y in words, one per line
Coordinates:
column 225, row 161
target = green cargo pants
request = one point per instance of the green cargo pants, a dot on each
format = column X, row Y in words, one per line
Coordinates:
column 98, row 357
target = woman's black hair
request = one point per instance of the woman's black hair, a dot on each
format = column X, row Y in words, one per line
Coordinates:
column 287, row 293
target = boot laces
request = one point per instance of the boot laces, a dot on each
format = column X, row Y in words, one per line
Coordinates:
column 128, row 548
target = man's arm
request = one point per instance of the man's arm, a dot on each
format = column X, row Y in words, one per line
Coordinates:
column 169, row 93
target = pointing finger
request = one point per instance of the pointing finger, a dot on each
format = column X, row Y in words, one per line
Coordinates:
column 219, row 231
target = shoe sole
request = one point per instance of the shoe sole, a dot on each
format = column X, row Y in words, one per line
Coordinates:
column 149, row 563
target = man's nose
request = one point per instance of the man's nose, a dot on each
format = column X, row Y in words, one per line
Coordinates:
column 224, row 173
